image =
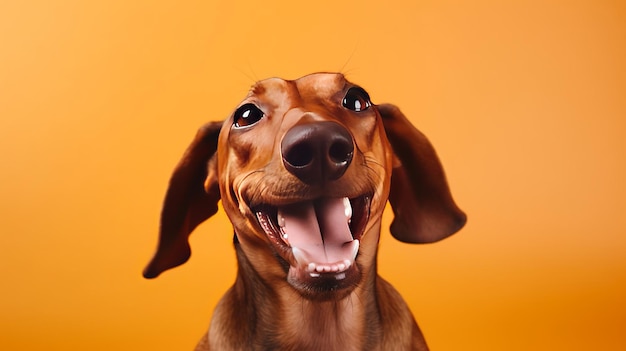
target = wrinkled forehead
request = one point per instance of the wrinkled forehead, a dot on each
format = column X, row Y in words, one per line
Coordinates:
column 317, row 84
column 321, row 84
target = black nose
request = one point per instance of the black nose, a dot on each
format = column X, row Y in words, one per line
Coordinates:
column 317, row 152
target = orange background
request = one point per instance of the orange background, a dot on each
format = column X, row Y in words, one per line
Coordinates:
column 525, row 102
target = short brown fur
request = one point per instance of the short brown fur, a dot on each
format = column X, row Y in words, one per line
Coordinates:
column 267, row 308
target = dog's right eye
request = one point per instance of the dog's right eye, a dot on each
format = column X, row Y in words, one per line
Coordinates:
column 247, row 115
column 356, row 99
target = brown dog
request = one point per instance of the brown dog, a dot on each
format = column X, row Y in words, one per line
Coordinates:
column 304, row 169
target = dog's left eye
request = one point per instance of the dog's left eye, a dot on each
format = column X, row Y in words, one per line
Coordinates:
column 356, row 99
column 247, row 115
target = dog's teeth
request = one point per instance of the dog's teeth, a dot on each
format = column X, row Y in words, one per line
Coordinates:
column 284, row 236
column 355, row 248
column 340, row 276
column 298, row 255
column 315, row 269
column 281, row 221
column 347, row 208
column 321, row 269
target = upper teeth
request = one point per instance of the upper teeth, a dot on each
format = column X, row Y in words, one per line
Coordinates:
column 347, row 208
column 281, row 221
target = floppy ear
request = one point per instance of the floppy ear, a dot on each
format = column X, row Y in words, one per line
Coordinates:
column 423, row 208
column 187, row 203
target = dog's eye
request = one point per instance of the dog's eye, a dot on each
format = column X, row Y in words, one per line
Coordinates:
column 247, row 115
column 356, row 99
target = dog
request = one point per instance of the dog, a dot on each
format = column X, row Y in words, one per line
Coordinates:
column 304, row 169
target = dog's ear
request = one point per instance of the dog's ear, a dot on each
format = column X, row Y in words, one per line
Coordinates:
column 188, row 201
column 423, row 208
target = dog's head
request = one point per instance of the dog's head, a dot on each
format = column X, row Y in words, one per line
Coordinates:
column 304, row 169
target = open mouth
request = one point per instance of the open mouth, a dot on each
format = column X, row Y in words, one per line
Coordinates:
column 318, row 238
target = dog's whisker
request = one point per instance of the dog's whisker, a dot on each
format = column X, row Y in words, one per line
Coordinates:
column 375, row 175
column 252, row 77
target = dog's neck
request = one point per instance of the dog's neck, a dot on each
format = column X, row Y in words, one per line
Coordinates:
column 329, row 325
column 275, row 316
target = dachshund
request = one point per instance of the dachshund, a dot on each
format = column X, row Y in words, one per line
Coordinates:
column 304, row 169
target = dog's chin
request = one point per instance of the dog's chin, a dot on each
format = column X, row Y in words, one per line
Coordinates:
column 324, row 286
column 317, row 243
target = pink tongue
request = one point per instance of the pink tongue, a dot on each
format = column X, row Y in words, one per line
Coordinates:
column 318, row 229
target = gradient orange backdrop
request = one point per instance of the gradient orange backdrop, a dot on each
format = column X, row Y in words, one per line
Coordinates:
column 525, row 102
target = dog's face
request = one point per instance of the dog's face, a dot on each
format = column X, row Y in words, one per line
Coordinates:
column 304, row 169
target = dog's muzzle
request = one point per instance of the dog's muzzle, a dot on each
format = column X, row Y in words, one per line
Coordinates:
column 318, row 238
